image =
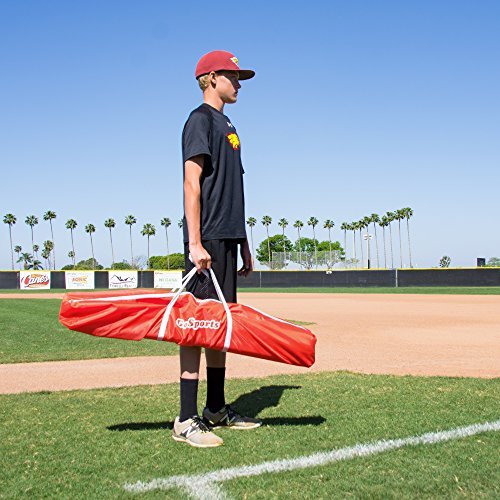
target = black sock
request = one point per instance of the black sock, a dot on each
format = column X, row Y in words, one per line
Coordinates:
column 215, row 388
column 189, row 398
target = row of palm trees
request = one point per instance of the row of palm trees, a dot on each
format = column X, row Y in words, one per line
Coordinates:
column 362, row 224
column 383, row 222
column 149, row 230
column 30, row 260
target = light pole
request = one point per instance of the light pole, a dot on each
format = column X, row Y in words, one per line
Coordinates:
column 368, row 237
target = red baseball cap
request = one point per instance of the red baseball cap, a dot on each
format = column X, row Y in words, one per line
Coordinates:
column 220, row 60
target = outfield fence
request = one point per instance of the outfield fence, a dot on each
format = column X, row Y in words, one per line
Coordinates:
column 77, row 280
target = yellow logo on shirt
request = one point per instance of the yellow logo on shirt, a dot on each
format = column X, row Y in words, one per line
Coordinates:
column 234, row 140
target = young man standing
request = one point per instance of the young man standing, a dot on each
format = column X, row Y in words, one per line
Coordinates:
column 214, row 226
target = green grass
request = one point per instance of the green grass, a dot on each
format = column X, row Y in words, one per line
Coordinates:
column 492, row 290
column 87, row 444
column 30, row 331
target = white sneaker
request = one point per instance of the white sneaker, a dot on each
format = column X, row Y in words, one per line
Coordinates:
column 195, row 432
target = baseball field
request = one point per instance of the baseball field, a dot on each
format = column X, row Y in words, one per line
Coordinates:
column 403, row 401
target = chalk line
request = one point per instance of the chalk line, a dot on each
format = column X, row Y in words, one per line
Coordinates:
column 207, row 486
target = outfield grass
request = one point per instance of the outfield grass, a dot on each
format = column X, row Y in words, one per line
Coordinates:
column 88, row 444
column 30, row 331
column 434, row 290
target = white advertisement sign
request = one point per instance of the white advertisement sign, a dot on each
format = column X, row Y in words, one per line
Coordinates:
column 122, row 279
column 167, row 279
column 34, row 280
column 80, row 280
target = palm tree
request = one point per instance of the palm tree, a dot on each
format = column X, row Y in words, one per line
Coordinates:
column 130, row 220
column 50, row 215
column 391, row 216
column 329, row 225
column 399, row 217
column 344, row 227
column 283, row 223
column 48, row 247
column 32, row 221
column 266, row 222
column 383, row 223
column 353, row 226
column 35, row 250
column 148, row 230
column 252, row 221
column 45, row 254
column 37, row 265
column 298, row 224
column 27, row 260
column 10, row 219
column 110, row 224
column 90, row 229
column 71, row 255
column 374, row 218
column 314, row 222
column 71, row 225
column 18, row 249
column 360, row 225
column 408, row 213
column 166, row 223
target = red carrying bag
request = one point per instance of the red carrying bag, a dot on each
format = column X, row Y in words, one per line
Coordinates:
column 182, row 318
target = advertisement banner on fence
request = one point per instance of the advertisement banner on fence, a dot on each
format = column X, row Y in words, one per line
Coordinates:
column 34, row 280
column 122, row 279
column 167, row 279
column 80, row 280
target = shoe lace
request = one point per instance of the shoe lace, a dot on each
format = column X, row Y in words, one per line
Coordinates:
column 231, row 414
column 200, row 424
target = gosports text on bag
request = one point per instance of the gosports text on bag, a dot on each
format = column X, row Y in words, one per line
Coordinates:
column 182, row 318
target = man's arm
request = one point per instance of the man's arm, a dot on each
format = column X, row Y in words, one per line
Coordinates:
column 193, row 169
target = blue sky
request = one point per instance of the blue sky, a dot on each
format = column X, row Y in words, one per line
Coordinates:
column 357, row 107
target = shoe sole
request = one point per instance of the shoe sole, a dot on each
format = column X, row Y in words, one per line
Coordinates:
column 196, row 445
column 236, row 427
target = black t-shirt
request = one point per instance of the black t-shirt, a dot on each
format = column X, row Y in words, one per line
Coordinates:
column 210, row 133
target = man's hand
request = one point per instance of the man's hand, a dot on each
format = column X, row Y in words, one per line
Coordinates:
column 246, row 256
column 200, row 257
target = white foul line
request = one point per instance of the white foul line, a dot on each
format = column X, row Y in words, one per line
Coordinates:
column 206, row 486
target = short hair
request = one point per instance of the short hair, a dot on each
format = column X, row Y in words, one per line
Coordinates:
column 204, row 81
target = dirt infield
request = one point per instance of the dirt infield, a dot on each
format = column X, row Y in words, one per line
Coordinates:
column 448, row 335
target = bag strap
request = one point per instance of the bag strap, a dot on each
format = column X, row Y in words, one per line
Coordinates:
column 185, row 281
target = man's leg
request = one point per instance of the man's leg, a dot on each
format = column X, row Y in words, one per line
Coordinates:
column 217, row 413
column 189, row 427
column 216, row 375
column 190, row 370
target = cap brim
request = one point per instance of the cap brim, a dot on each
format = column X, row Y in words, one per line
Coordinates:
column 246, row 74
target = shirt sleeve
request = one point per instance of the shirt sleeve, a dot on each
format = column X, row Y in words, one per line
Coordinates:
column 195, row 136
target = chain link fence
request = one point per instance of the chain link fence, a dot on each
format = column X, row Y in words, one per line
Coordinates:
column 306, row 261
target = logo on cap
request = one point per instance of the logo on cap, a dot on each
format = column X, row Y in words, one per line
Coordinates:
column 235, row 60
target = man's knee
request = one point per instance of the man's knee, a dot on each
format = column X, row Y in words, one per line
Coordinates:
column 215, row 359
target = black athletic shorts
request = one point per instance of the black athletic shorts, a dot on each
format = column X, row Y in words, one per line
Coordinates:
column 224, row 254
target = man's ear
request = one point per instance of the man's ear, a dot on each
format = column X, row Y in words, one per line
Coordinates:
column 213, row 78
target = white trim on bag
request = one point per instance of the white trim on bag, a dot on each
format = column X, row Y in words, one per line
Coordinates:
column 185, row 281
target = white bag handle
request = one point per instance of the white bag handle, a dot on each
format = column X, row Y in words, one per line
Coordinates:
column 185, row 281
